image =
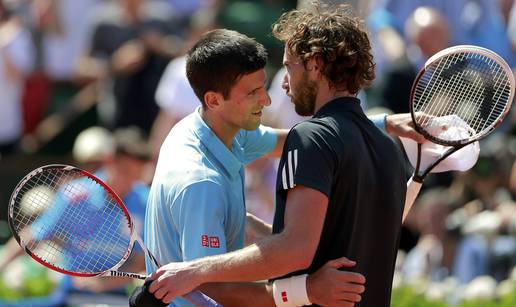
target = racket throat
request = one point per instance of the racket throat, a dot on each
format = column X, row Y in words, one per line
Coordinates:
column 113, row 273
column 418, row 177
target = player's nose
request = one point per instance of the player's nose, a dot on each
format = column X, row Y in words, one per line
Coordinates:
column 265, row 99
column 284, row 84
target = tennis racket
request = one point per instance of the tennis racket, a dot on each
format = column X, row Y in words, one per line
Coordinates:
column 70, row 221
column 460, row 96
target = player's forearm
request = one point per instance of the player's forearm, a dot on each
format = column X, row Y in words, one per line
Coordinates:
column 281, row 137
column 274, row 256
column 256, row 229
column 240, row 294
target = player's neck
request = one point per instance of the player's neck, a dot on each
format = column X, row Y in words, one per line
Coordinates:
column 226, row 133
column 326, row 95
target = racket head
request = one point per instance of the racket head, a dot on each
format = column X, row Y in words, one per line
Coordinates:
column 465, row 87
column 70, row 221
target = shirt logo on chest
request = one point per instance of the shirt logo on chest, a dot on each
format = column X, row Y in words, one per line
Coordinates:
column 289, row 169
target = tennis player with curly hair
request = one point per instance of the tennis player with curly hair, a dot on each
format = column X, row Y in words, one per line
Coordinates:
column 341, row 180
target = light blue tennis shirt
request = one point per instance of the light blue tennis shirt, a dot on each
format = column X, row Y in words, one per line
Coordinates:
column 196, row 205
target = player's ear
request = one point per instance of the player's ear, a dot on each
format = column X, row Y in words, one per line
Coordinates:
column 311, row 64
column 213, row 100
column 315, row 65
column 319, row 64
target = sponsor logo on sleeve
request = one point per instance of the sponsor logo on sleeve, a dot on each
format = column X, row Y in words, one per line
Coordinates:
column 214, row 242
column 205, row 241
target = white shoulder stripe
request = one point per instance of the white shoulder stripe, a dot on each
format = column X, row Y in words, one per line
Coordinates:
column 295, row 161
column 284, row 177
column 290, row 170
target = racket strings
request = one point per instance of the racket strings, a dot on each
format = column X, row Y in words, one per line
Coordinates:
column 431, row 101
column 472, row 86
column 464, row 94
column 74, row 223
column 115, row 245
column 480, row 120
column 501, row 95
column 426, row 97
column 445, row 95
column 440, row 108
column 468, row 93
column 99, row 242
column 34, row 199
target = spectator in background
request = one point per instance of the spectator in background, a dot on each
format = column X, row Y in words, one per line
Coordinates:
column 511, row 27
column 131, row 44
column 473, row 253
column 254, row 19
column 59, row 33
column 16, row 62
column 91, row 148
column 477, row 22
column 427, row 258
column 63, row 26
column 426, row 32
column 483, row 250
column 185, row 10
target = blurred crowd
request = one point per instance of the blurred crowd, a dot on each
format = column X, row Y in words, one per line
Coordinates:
column 73, row 73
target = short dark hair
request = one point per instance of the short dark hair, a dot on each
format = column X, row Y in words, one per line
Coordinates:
column 220, row 58
column 336, row 37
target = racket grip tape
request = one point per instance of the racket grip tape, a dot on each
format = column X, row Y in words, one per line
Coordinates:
column 141, row 297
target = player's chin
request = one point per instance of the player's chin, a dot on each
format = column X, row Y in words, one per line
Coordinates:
column 252, row 124
column 303, row 110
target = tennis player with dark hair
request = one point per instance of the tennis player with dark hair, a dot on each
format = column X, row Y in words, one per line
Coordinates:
column 341, row 181
column 196, row 205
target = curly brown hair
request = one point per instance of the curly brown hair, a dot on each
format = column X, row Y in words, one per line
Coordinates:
column 334, row 36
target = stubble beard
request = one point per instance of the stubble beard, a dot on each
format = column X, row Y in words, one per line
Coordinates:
column 304, row 100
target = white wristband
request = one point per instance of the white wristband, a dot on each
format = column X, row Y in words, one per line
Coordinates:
column 290, row 292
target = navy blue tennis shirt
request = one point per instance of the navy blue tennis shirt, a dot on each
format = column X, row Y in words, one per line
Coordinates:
column 342, row 154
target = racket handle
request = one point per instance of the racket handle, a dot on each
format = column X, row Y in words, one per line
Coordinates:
column 201, row 300
column 413, row 188
column 196, row 297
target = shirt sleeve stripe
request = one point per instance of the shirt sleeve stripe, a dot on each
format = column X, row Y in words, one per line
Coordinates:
column 295, row 161
column 290, row 170
column 284, row 177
